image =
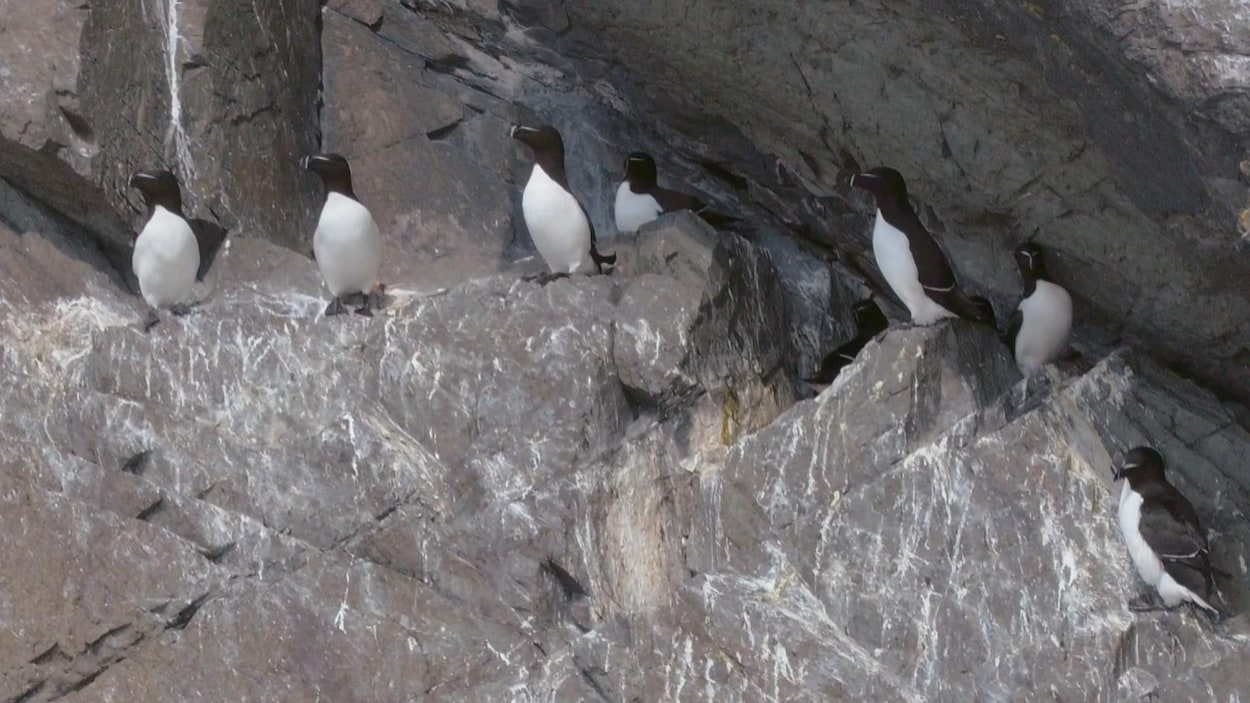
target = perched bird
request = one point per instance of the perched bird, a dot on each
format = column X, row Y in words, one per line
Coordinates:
column 639, row 199
column 557, row 222
column 1040, row 326
column 909, row 257
column 869, row 322
column 347, row 245
column 167, row 255
column 1161, row 529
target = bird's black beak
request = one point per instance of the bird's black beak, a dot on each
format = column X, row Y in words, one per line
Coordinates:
column 522, row 133
column 866, row 181
column 312, row 160
column 1119, row 474
column 138, row 177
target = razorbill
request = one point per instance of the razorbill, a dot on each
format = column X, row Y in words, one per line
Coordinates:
column 1161, row 529
column 557, row 222
column 910, row 258
column 869, row 322
column 347, row 245
column 167, row 255
column 1040, row 326
column 639, row 199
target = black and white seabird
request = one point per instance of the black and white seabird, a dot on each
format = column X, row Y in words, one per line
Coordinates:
column 167, row 255
column 639, row 198
column 1040, row 326
column 1161, row 529
column 869, row 322
column 910, row 258
column 557, row 222
column 347, row 245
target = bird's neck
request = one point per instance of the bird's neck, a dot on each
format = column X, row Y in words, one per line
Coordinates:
column 340, row 186
column 552, row 164
column 899, row 213
column 169, row 204
column 641, row 187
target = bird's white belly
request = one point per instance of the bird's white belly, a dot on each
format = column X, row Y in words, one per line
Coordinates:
column 166, row 259
column 1147, row 563
column 893, row 253
column 1044, row 331
column 557, row 225
column 634, row 210
column 347, row 245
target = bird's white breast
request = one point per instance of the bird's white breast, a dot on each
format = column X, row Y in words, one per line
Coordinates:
column 347, row 245
column 898, row 266
column 634, row 210
column 1047, row 320
column 166, row 259
column 1148, row 564
column 556, row 224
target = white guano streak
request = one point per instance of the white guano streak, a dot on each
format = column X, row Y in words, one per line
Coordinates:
column 176, row 134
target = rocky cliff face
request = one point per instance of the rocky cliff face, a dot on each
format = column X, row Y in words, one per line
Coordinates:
column 611, row 488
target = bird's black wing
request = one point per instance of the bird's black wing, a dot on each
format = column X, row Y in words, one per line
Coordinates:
column 936, row 274
column 671, row 200
column 209, row 236
column 599, row 259
column 839, row 358
column 1013, row 330
column 718, row 220
column 872, row 323
column 1176, row 538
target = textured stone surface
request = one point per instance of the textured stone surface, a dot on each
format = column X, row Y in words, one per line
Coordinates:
column 512, row 492
column 604, row 489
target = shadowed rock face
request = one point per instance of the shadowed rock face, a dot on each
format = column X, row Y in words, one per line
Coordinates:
column 605, row 489
column 1110, row 132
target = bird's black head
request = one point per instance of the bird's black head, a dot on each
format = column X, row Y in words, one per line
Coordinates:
column 1141, row 465
column 548, row 149
column 868, row 317
column 333, row 170
column 159, row 189
column 1030, row 261
column 543, row 139
column 882, row 182
column 640, row 169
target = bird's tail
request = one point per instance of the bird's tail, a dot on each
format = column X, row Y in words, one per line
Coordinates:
column 719, row 220
column 975, row 308
column 601, row 259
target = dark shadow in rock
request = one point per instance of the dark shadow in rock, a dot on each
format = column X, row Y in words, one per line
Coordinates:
column 184, row 616
column 137, row 463
column 148, row 512
column 443, row 132
column 30, row 693
column 569, row 585
column 107, row 250
column 735, row 180
column 448, row 64
column 639, row 401
column 216, row 553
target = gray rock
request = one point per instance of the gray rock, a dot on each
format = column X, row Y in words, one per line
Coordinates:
column 604, row 488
